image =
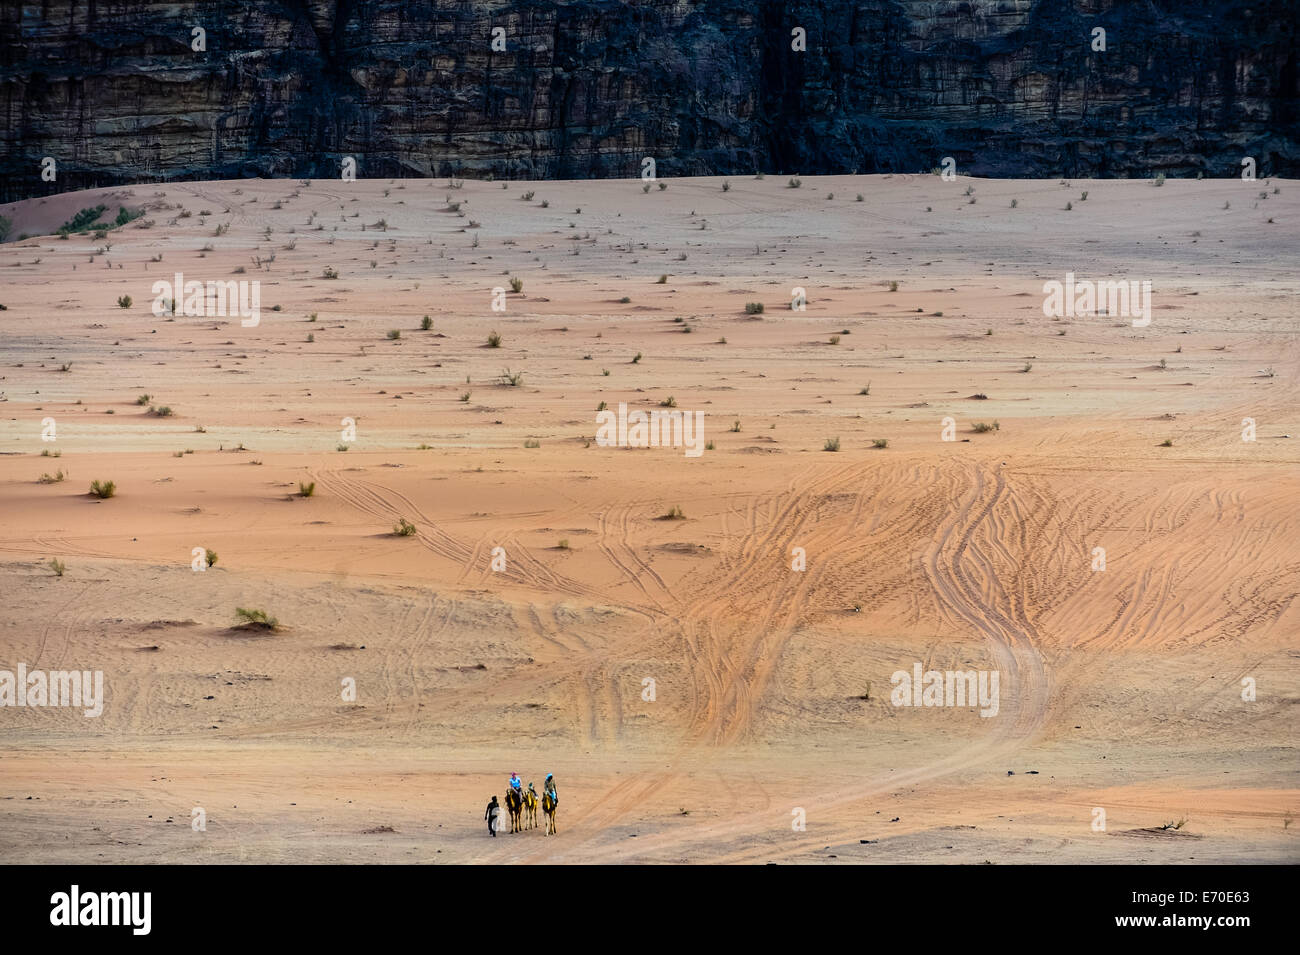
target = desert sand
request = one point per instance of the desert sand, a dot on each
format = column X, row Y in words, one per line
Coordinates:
column 1121, row 689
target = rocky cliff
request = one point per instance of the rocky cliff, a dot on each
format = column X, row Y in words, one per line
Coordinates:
column 123, row 90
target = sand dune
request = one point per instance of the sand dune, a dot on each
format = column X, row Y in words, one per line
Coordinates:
column 545, row 581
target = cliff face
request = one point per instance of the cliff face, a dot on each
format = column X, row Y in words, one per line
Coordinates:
column 114, row 92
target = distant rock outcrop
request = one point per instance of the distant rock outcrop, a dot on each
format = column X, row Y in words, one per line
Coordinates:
column 116, row 93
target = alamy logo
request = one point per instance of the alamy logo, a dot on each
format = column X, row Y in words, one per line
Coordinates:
column 80, row 688
column 656, row 429
column 946, row 688
column 209, row 300
column 103, row 908
column 1075, row 299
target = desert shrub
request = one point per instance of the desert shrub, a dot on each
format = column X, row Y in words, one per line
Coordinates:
column 674, row 513
column 124, row 301
column 880, row 443
column 426, row 323
column 83, row 220
column 403, row 528
column 494, row 340
column 57, row 566
column 306, row 489
column 753, row 308
column 103, row 489
column 831, row 444
column 253, row 617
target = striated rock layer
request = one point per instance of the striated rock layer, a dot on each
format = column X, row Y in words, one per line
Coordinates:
column 114, row 91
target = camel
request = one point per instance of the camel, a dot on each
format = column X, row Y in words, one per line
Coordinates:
column 514, row 803
column 530, row 809
column 548, row 807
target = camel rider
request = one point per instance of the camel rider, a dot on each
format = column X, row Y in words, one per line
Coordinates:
column 517, row 785
column 532, row 791
column 550, row 788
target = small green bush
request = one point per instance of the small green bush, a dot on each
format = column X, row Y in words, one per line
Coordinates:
column 254, row 618
column 103, row 489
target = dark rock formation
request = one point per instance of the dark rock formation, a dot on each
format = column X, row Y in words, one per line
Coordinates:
column 113, row 90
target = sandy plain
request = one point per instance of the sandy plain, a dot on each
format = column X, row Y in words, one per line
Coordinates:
column 1121, row 689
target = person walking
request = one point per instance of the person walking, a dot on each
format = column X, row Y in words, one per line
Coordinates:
column 493, row 816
